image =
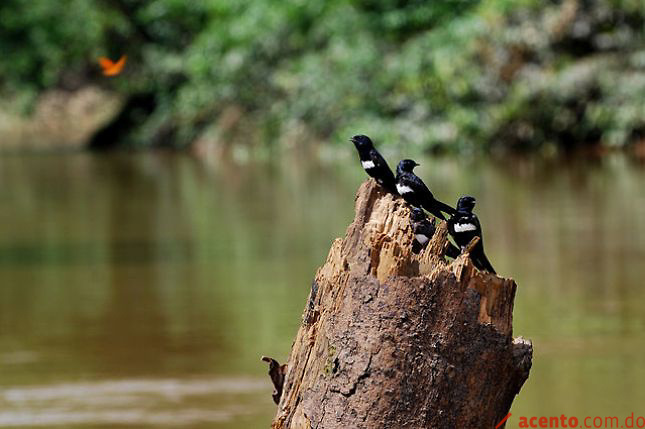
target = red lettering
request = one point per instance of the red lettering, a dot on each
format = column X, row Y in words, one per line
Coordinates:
column 589, row 422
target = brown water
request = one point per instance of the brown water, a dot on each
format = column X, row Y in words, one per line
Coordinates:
column 140, row 290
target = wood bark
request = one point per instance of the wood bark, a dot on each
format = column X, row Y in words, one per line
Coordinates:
column 391, row 339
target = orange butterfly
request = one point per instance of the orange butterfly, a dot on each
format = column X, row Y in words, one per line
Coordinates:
column 111, row 68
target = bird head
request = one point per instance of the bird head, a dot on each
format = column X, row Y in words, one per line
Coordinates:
column 361, row 141
column 466, row 204
column 417, row 214
column 406, row 165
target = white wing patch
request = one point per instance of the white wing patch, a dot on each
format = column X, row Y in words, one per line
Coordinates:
column 463, row 227
column 368, row 164
column 402, row 189
column 421, row 238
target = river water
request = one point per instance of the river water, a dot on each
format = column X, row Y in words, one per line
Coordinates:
column 141, row 289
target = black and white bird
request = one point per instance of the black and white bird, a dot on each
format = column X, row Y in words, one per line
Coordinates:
column 464, row 226
column 373, row 163
column 422, row 227
column 416, row 193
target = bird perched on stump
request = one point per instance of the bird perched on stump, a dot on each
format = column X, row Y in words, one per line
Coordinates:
column 373, row 163
column 423, row 229
column 464, row 226
column 416, row 193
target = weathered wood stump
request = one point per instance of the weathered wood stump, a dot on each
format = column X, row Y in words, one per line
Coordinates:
column 390, row 339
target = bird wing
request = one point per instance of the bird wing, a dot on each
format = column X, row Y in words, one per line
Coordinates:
column 387, row 178
column 418, row 186
column 480, row 256
column 380, row 162
column 475, row 220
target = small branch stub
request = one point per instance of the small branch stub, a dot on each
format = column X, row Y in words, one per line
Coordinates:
column 276, row 372
column 472, row 244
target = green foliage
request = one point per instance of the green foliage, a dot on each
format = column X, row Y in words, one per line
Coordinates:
column 41, row 41
column 455, row 74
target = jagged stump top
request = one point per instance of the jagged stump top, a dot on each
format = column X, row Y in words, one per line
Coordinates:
column 379, row 242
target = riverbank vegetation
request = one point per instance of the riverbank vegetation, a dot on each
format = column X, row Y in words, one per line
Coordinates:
column 455, row 75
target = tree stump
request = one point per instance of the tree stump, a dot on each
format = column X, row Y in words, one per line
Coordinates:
column 391, row 339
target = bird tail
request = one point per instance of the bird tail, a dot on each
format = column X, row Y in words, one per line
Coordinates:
column 390, row 185
column 446, row 208
column 437, row 213
column 485, row 263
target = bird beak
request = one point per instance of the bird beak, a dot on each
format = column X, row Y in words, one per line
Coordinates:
column 416, row 165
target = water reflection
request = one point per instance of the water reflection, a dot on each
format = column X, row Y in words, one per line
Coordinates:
column 147, row 269
column 127, row 402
